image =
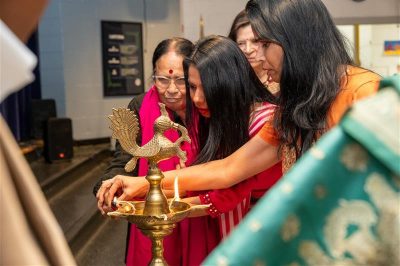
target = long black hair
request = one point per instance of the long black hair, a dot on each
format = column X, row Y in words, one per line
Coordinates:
column 231, row 88
column 315, row 57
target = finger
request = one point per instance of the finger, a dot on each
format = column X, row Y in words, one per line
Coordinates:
column 123, row 196
column 106, row 210
column 100, row 207
column 105, row 207
column 117, row 185
column 100, row 204
column 100, row 194
column 104, row 185
column 100, row 189
column 269, row 79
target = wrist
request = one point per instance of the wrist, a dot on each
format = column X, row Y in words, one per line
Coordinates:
column 164, row 185
column 145, row 186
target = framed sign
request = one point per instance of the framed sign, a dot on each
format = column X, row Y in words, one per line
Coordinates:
column 122, row 52
column 392, row 47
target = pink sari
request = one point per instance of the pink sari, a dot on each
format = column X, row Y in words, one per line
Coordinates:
column 193, row 238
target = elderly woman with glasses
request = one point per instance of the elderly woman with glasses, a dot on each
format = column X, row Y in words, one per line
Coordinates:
column 184, row 246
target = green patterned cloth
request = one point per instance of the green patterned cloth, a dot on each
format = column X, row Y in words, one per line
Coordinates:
column 339, row 204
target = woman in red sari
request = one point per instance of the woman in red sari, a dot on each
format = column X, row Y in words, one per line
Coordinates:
column 229, row 106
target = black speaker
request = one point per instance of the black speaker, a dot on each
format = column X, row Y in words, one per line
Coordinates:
column 58, row 142
column 41, row 110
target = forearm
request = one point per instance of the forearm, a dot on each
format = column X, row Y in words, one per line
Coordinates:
column 190, row 178
column 252, row 158
column 225, row 200
column 171, row 193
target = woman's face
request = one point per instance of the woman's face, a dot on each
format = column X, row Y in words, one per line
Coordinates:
column 197, row 91
column 271, row 54
column 249, row 45
column 170, row 82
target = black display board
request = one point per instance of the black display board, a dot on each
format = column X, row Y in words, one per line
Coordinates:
column 122, row 58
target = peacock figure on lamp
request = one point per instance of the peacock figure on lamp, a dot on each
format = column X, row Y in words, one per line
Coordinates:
column 155, row 216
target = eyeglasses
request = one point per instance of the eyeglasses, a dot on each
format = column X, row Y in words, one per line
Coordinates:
column 166, row 81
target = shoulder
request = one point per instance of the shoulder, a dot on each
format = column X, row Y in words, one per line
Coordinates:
column 359, row 83
column 261, row 113
column 136, row 102
column 262, row 109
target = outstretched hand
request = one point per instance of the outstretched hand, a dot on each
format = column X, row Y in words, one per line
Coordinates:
column 122, row 187
column 102, row 194
column 127, row 188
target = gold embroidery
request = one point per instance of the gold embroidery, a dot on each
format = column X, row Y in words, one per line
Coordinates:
column 222, row 261
column 293, row 264
column 259, row 262
column 320, row 192
column 360, row 243
column 317, row 153
column 312, row 254
column 385, row 107
column 396, row 180
column 362, row 246
column 288, row 158
column 291, row 228
column 387, row 201
column 255, row 226
column 287, row 188
column 354, row 157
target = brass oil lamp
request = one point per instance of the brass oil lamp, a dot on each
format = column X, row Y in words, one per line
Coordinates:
column 156, row 217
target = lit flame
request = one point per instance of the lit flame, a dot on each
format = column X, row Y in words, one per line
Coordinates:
column 176, row 192
column 176, row 189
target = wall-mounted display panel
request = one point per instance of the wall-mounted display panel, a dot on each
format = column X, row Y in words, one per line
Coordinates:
column 122, row 52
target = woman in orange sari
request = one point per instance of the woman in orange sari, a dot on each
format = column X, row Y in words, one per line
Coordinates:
column 304, row 52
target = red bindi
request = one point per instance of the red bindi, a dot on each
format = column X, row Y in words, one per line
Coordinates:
column 171, row 71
